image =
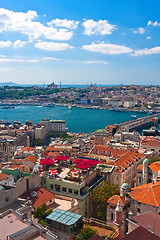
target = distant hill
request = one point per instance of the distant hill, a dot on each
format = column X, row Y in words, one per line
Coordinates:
column 9, row 84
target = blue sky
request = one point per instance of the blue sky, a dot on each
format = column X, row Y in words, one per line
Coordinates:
column 79, row 42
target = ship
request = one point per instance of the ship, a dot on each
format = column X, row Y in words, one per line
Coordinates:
column 133, row 117
column 49, row 105
column 7, row 107
column 69, row 107
column 5, row 122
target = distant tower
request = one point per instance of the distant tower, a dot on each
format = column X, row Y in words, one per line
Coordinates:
column 124, row 189
column 145, row 171
column 118, row 219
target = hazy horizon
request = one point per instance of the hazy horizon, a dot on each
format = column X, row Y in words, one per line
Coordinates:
column 102, row 42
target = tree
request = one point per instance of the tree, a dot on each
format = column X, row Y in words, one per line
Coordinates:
column 86, row 233
column 41, row 213
column 100, row 198
column 50, row 134
column 38, row 142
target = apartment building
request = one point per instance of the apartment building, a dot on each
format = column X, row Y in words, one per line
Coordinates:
column 77, row 184
column 122, row 164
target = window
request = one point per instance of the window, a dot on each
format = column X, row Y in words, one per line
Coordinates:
column 111, row 216
column 138, row 210
column 57, row 187
column 76, row 192
column 51, row 186
column 7, row 199
column 70, row 190
column 64, row 189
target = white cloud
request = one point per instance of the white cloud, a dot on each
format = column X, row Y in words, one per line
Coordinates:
column 154, row 24
column 52, row 46
column 139, row 31
column 23, row 23
column 96, row 61
column 107, row 48
column 33, row 61
column 49, row 58
column 16, row 44
column 102, row 27
column 147, row 51
column 148, row 37
column 65, row 23
column 4, row 60
column 19, row 44
column 4, row 44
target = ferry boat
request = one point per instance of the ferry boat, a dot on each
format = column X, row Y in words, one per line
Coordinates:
column 49, row 105
column 5, row 122
column 69, row 107
column 7, row 107
column 133, row 117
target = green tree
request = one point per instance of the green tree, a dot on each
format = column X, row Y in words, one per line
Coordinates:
column 86, row 233
column 100, row 198
column 41, row 213
column 38, row 142
column 50, row 134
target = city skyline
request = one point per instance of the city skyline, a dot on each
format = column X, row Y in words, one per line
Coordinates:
column 100, row 42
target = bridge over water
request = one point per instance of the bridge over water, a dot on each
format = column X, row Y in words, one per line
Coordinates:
column 140, row 123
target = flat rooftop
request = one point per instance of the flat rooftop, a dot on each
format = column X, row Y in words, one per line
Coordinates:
column 9, row 225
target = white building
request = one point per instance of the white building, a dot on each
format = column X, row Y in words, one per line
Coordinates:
column 40, row 132
column 56, row 126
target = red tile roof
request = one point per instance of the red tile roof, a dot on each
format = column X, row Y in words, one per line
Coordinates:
column 147, row 194
column 155, row 167
column 140, row 167
column 27, row 149
column 150, row 218
column 31, row 158
column 151, row 142
column 43, row 196
column 3, row 176
column 140, row 233
column 115, row 198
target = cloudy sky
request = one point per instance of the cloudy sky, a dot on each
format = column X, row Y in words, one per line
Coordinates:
column 80, row 42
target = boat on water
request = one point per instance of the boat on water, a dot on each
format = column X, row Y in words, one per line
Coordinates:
column 5, row 122
column 69, row 107
column 133, row 117
column 49, row 105
column 7, row 107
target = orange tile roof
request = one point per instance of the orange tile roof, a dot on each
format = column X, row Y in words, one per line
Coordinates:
column 151, row 141
column 3, row 176
column 31, row 158
column 21, row 167
column 43, row 196
column 140, row 167
column 115, row 198
column 123, row 162
column 27, row 149
column 155, row 167
column 52, row 154
column 147, row 194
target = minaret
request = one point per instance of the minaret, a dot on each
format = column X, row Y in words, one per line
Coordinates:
column 118, row 219
column 145, row 171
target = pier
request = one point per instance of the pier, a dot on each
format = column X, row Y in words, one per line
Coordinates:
column 140, row 123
